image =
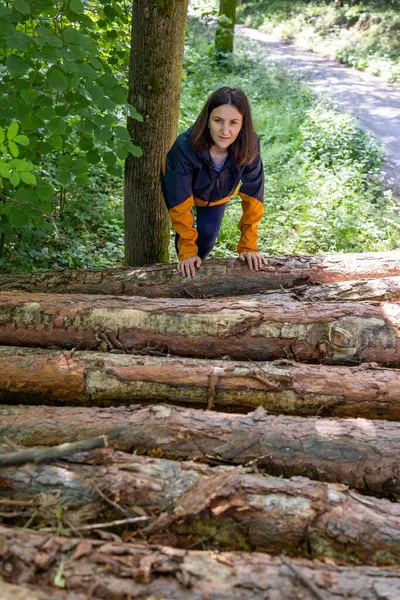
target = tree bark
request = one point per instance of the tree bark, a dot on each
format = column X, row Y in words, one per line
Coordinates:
column 224, row 35
column 158, row 32
column 383, row 289
column 355, row 452
column 222, row 507
column 330, row 333
column 137, row 570
column 215, row 278
column 35, row 376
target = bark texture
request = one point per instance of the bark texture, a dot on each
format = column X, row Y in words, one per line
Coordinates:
column 190, row 505
column 357, row 452
column 34, row 375
column 133, row 570
column 154, row 90
column 215, row 278
column 384, row 288
column 339, row 333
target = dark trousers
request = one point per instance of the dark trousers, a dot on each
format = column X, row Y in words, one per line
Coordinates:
column 208, row 224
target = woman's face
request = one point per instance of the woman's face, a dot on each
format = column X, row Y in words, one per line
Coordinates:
column 225, row 123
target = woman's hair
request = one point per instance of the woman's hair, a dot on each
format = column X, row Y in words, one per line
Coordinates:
column 244, row 148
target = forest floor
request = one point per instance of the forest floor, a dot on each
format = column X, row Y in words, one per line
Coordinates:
column 374, row 102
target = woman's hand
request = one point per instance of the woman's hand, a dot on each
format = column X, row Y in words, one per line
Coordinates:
column 254, row 260
column 187, row 267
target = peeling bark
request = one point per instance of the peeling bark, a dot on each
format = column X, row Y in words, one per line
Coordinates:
column 34, row 375
column 216, row 277
column 357, row 452
column 335, row 333
column 222, row 507
column 126, row 571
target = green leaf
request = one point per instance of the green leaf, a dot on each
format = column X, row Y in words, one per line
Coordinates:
column 59, row 580
column 133, row 113
column 57, row 80
column 19, row 41
column 136, row 151
column 80, row 166
column 21, row 165
column 13, row 148
column 56, row 142
column 44, row 191
column 14, row 178
column 93, row 157
column 77, row 7
column 28, row 178
column 4, row 169
column 19, row 216
column 21, row 6
column 3, row 149
column 109, row 158
column 82, row 179
column 57, row 125
column 29, row 96
column 26, row 195
column 12, row 131
column 63, row 176
column 17, row 66
column 2, row 135
column 22, row 140
column 122, row 133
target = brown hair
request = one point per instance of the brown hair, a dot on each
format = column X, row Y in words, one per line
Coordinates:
column 244, row 148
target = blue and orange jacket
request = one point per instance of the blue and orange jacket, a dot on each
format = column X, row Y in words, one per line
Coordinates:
column 188, row 178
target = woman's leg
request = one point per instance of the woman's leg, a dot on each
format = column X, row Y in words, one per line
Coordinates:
column 209, row 219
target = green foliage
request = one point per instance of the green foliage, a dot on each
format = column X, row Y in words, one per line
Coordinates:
column 63, row 76
column 323, row 192
column 364, row 35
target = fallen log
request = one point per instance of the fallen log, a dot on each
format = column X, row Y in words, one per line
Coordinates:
column 35, row 376
column 224, row 507
column 138, row 570
column 37, row 455
column 216, row 277
column 336, row 333
column 356, row 452
column 383, row 289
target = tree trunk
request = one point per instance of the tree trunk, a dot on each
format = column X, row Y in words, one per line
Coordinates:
column 137, row 570
column 339, row 451
column 331, row 333
column 154, row 89
column 225, row 32
column 386, row 288
column 195, row 504
column 226, row 277
column 283, row 387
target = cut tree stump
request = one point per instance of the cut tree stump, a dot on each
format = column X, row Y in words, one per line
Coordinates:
column 216, row 277
column 193, row 505
column 335, row 333
column 34, row 375
column 360, row 453
column 137, row 570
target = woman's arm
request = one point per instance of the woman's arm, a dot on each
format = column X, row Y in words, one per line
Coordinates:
column 252, row 195
column 176, row 184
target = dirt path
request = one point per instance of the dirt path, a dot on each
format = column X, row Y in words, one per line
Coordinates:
column 374, row 102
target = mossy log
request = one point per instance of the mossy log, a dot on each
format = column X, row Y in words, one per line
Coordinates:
column 138, row 570
column 37, row 375
column 331, row 333
column 191, row 504
column 360, row 453
column 216, row 277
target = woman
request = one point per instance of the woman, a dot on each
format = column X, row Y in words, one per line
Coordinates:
column 205, row 168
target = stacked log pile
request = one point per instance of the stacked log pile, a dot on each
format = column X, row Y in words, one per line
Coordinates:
column 235, row 435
